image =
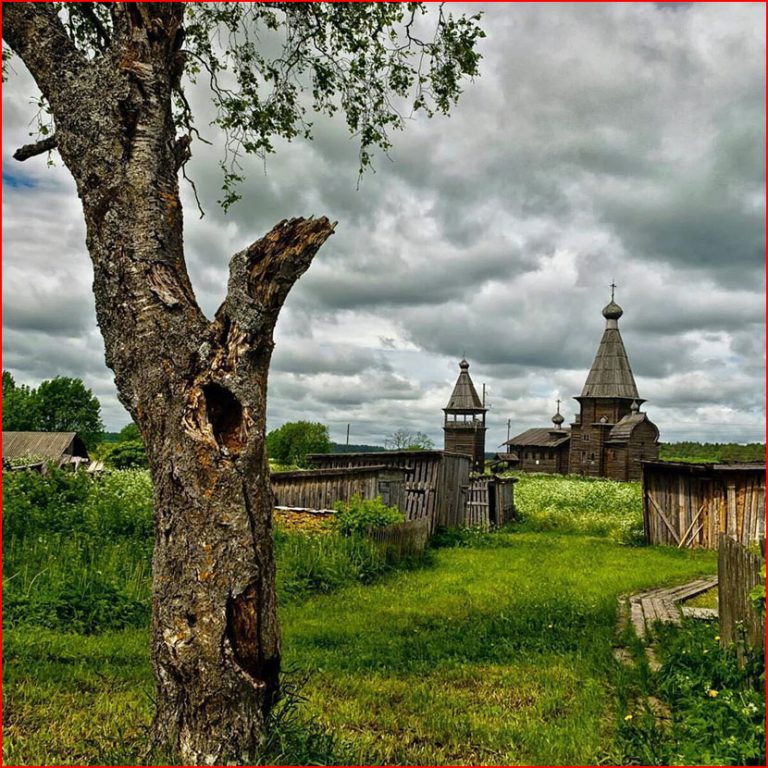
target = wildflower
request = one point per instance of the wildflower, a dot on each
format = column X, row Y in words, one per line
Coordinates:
column 712, row 693
column 717, row 637
column 627, row 717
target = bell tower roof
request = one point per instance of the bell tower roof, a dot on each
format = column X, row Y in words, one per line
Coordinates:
column 464, row 396
column 611, row 375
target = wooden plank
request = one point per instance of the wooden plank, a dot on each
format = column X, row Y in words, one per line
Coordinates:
column 664, row 518
column 730, row 495
column 693, row 522
column 638, row 620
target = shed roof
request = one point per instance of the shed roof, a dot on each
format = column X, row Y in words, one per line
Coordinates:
column 546, row 438
column 47, row 445
column 464, row 396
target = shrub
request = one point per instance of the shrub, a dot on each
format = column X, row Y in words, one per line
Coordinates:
column 129, row 454
column 358, row 515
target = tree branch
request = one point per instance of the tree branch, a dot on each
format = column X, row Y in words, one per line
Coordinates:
column 261, row 276
column 35, row 32
column 38, row 148
column 88, row 13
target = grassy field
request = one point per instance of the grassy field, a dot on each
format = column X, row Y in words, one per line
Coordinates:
column 498, row 651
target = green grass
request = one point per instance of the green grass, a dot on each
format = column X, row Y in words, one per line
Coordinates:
column 714, row 707
column 572, row 504
column 496, row 655
column 706, row 599
column 499, row 651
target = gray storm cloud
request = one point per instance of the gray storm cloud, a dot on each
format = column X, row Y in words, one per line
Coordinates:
column 602, row 142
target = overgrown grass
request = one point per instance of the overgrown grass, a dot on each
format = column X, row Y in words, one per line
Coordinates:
column 495, row 655
column 715, row 709
column 591, row 506
column 500, row 652
column 77, row 553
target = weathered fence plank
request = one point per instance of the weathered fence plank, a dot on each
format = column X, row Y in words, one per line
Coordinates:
column 739, row 571
column 408, row 539
column 321, row 488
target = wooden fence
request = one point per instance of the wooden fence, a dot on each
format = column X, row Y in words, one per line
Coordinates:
column 320, row 488
column 407, row 539
column 738, row 572
column 436, row 482
column 690, row 505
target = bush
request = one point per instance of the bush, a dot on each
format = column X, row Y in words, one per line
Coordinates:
column 116, row 504
column 358, row 515
column 129, row 454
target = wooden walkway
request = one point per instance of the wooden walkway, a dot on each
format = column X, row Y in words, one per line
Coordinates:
column 646, row 608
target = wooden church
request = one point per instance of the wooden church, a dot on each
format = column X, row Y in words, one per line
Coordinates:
column 610, row 436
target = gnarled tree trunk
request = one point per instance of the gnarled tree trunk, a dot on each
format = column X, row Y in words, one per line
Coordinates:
column 196, row 388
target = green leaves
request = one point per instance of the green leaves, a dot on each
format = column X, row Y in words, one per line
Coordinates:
column 291, row 443
column 757, row 594
column 61, row 404
column 358, row 515
column 268, row 64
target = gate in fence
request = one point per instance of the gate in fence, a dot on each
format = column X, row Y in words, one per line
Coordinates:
column 490, row 501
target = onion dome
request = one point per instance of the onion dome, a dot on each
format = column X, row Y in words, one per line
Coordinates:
column 558, row 419
column 612, row 311
column 464, row 365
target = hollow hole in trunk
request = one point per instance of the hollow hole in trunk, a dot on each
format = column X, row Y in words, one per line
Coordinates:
column 242, row 630
column 225, row 415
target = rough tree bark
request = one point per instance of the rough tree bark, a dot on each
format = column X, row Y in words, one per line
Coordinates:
column 196, row 388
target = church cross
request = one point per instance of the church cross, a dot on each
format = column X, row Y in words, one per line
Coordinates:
column 613, row 288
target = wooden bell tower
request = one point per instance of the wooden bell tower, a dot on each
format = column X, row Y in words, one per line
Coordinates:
column 464, row 424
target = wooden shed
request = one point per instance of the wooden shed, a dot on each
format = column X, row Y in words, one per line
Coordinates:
column 320, row 488
column 690, row 505
column 436, row 482
column 43, row 447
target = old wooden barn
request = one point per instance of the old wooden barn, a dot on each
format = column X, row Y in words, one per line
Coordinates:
column 690, row 505
column 43, row 447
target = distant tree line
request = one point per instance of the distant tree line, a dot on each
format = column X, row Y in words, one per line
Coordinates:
column 717, row 452
column 61, row 404
column 290, row 444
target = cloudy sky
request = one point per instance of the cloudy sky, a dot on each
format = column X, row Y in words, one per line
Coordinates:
column 601, row 142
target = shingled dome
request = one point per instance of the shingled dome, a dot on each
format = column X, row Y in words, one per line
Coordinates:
column 611, row 375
